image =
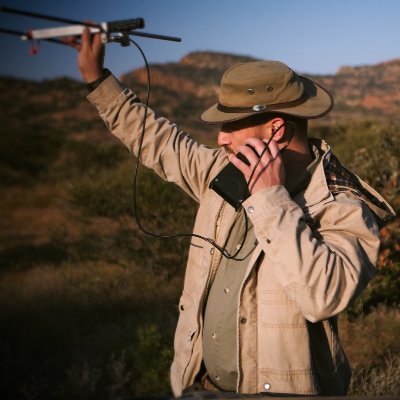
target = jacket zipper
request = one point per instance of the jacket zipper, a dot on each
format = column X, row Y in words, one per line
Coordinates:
column 215, row 259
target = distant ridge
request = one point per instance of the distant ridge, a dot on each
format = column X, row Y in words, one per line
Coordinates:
column 368, row 91
column 216, row 60
column 181, row 91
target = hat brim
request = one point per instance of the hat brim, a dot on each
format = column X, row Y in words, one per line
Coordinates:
column 319, row 103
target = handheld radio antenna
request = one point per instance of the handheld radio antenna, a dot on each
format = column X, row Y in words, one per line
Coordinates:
column 120, row 29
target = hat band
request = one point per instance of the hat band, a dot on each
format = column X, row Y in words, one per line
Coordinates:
column 263, row 107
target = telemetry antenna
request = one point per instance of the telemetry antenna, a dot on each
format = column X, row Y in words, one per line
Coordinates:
column 114, row 31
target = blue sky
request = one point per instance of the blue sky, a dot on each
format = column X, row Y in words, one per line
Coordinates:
column 312, row 36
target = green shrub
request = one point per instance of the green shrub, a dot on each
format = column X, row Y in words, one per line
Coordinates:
column 153, row 350
column 27, row 152
column 105, row 193
column 94, row 155
column 109, row 193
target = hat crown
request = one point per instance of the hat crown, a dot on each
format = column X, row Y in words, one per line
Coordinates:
column 259, row 83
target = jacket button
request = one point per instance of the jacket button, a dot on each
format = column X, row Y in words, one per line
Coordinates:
column 212, row 250
column 267, row 386
column 226, row 290
column 243, row 320
column 214, row 335
column 250, row 209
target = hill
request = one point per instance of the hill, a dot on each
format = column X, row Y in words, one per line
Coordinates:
column 88, row 302
column 365, row 92
column 182, row 90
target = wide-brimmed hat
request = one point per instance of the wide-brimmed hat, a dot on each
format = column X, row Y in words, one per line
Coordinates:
column 267, row 86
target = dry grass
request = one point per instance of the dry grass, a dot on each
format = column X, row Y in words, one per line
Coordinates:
column 372, row 344
column 100, row 330
column 370, row 339
column 378, row 381
column 88, row 330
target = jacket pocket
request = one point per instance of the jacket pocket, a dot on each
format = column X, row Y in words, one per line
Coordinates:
column 277, row 310
column 288, row 382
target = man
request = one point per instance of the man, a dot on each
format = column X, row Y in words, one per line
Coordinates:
column 258, row 312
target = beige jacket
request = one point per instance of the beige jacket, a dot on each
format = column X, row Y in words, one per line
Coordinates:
column 319, row 253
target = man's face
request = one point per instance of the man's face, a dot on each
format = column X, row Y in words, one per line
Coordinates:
column 233, row 134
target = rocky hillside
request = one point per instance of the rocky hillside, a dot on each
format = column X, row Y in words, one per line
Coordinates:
column 367, row 91
column 182, row 90
column 197, row 73
column 360, row 92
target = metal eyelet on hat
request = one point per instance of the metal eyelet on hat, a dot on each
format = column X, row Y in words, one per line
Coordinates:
column 259, row 107
column 270, row 88
column 250, row 91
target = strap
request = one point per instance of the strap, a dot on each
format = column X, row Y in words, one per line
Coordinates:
column 263, row 107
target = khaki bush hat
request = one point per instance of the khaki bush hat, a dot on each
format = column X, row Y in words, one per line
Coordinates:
column 267, row 86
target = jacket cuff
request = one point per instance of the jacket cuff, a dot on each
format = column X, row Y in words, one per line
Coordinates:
column 94, row 84
column 265, row 201
column 107, row 91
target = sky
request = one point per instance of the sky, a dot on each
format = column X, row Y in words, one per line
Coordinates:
column 311, row 36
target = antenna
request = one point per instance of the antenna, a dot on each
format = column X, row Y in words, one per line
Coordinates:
column 114, row 31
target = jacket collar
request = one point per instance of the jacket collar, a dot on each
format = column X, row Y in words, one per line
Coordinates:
column 319, row 191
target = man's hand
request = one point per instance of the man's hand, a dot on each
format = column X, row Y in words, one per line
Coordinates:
column 91, row 54
column 269, row 172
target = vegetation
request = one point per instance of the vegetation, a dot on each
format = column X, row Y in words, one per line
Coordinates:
column 88, row 302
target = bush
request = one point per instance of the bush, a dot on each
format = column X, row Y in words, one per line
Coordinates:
column 92, row 156
column 27, row 152
column 109, row 193
column 105, row 193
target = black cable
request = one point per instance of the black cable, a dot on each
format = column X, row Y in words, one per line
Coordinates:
column 221, row 249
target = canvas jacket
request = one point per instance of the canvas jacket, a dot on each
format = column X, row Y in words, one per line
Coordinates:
column 317, row 251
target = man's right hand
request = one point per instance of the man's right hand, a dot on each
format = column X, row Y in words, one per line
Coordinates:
column 91, row 54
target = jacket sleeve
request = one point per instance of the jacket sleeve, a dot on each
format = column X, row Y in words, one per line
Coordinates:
column 322, row 268
column 171, row 153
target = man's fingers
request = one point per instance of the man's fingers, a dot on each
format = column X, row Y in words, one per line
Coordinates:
column 239, row 164
column 86, row 39
column 97, row 42
column 77, row 46
column 273, row 148
column 249, row 153
column 257, row 144
column 72, row 41
column 263, row 148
